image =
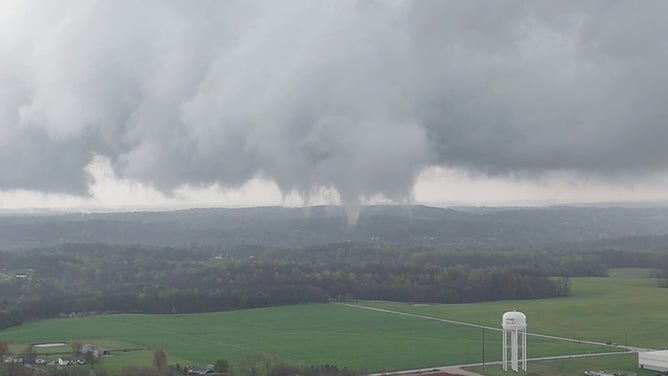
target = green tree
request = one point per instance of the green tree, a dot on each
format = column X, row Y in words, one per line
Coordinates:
column 257, row 365
column 90, row 357
column 221, row 366
column 11, row 369
column 76, row 346
column 29, row 354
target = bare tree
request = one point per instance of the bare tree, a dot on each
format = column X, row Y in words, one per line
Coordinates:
column 160, row 361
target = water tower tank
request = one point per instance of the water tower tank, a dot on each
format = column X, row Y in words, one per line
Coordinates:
column 514, row 340
column 514, row 320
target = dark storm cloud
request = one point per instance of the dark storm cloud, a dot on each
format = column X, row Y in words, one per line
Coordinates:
column 360, row 96
column 539, row 88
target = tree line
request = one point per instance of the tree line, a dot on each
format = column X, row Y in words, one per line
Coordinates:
column 89, row 278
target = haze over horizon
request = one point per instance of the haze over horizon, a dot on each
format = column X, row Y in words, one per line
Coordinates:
column 119, row 104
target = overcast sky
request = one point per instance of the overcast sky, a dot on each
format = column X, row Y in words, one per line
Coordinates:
column 126, row 104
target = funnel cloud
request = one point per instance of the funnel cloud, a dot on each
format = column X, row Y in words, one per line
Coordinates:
column 355, row 96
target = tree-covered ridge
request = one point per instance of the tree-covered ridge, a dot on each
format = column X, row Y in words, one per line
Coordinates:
column 471, row 228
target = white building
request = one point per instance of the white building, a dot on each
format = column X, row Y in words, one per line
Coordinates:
column 654, row 360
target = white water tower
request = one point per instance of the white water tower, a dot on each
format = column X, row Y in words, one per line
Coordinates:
column 514, row 331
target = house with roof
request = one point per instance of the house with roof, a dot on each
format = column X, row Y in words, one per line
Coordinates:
column 94, row 350
column 12, row 359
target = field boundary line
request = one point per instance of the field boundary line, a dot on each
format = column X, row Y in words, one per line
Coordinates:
column 479, row 326
column 420, row 316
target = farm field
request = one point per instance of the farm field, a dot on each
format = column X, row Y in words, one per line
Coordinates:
column 305, row 334
column 623, row 310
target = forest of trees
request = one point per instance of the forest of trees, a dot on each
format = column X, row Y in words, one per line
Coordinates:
column 94, row 278
column 89, row 278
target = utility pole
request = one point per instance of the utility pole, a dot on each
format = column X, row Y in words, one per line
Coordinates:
column 483, row 347
column 483, row 342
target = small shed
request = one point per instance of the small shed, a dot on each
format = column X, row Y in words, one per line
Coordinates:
column 654, row 360
column 94, row 350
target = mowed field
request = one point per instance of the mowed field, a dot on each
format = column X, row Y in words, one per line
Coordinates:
column 604, row 309
column 623, row 310
column 305, row 334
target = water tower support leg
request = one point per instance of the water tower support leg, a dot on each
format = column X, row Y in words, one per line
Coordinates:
column 513, row 351
column 505, row 350
column 524, row 349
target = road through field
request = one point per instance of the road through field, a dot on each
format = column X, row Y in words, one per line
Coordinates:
column 573, row 340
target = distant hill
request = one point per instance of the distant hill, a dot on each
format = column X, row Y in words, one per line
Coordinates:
column 404, row 225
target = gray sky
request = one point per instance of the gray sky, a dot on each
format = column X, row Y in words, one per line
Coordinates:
column 181, row 103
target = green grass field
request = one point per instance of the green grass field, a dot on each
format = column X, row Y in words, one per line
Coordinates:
column 633, row 273
column 621, row 310
column 604, row 309
column 306, row 334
